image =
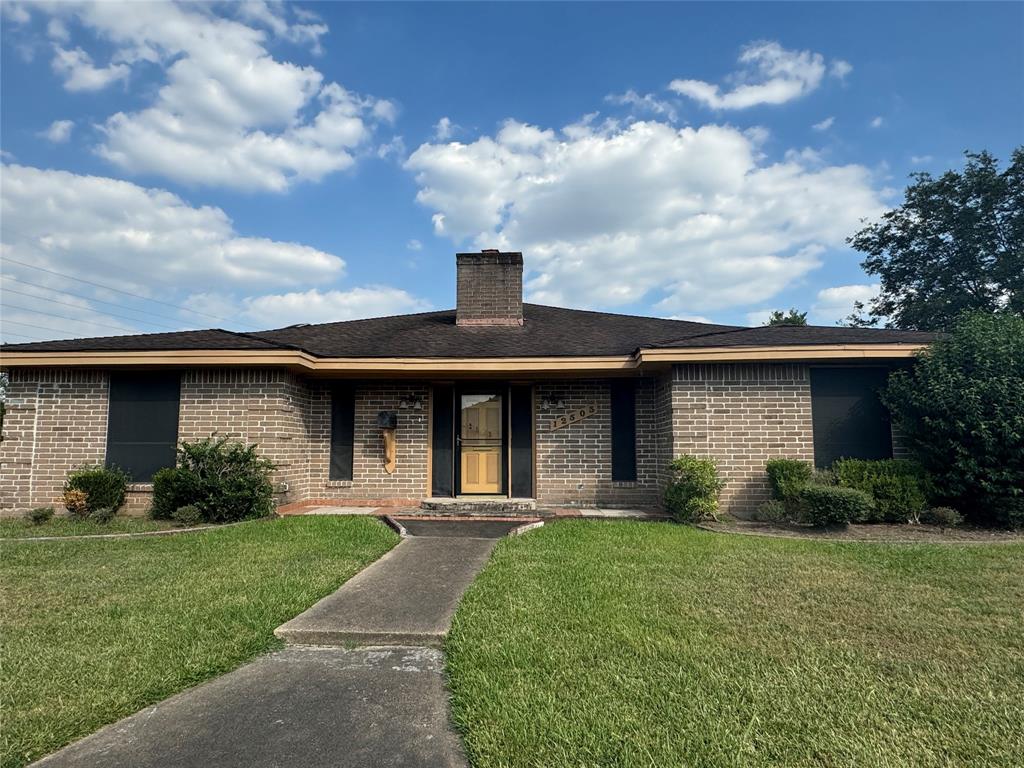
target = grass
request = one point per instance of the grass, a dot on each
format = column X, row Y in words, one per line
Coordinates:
column 630, row 644
column 20, row 528
column 96, row 630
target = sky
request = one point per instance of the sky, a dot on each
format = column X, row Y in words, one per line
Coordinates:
column 257, row 164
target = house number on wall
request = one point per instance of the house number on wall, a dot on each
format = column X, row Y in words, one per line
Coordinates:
column 577, row 414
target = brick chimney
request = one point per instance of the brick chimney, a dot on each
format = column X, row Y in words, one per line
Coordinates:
column 489, row 288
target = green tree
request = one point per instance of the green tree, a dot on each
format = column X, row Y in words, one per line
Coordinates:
column 792, row 317
column 961, row 411
column 956, row 244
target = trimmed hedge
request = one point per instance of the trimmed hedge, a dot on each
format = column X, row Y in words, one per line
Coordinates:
column 788, row 477
column 900, row 488
column 104, row 487
column 833, row 505
column 224, row 479
column 693, row 488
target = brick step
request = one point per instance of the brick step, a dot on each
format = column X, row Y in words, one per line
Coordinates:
column 468, row 506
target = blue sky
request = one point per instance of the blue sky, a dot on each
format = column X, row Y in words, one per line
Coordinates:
column 253, row 165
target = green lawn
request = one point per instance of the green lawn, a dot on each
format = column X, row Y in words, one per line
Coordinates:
column 19, row 528
column 631, row 644
column 95, row 630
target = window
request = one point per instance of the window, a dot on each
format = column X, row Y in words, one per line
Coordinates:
column 343, row 417
column 142, row 423
column 623, row 397
column 849, row 418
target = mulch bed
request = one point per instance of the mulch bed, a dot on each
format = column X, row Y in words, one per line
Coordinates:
column 879, row 532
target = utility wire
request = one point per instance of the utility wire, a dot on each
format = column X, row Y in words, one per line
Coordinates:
column 69, row 317
column 116, row 290
column 19, row 335
column 36, row 327
column 88, row 298
column 79, row 306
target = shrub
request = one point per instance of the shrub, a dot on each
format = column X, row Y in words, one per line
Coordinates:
column 832, row 505
column 102, row 515
column 226, row 480
column 899, row 488
column 39, row 515
column 103, row 486
column 692, row 491
column 188, row 515
column 944, row 517
column 771, row 511
column 788, row 477
column 76, row 502
column 961, row 412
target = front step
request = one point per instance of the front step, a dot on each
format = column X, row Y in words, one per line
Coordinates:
column 485, row 506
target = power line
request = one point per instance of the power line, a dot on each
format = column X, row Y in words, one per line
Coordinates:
column 87, row 298
column 69, row 317
column 35, row 327
column 116, row 290
column 79, row 306
column 19, row 335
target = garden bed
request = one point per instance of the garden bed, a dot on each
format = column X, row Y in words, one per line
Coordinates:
column 880, row 532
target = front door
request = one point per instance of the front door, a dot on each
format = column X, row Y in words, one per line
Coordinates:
column 480, row 443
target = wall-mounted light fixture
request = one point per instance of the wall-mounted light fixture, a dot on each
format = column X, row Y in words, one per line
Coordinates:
column 411, row 402
column 551, row 401
column 387, row 421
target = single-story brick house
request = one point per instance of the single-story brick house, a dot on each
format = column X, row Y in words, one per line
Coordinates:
column 495, row 398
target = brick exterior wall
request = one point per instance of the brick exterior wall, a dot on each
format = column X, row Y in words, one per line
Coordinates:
column 741, row 415
column 369, row 480
column 489, row 288
column 56, row 420
column 574, row 463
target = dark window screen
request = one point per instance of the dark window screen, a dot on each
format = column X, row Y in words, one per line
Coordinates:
column 443, row 469
column 343, row 416
column 849, row 418
column 521, row 440
column 142, row 427
column 623, row 431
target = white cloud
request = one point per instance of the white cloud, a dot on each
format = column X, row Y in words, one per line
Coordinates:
column 834, row 304
column 769, row 74
column 143, row 240
column 647, row 103
column 315, row 306
column 445, row 129
column 921, row 159
column 758, row 316
column 59, row 131
column 80, row 74
column 824, row 125
column 414, row 245
column 228, row 113
column 608, row 215
column 839, row 69
column 876, row 122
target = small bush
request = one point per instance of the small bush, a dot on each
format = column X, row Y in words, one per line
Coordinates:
column 693, row 488
column 39, row 515
column 824, row 477
column 899, row 488
column 944, row 517
column 188, row 515
column 832, row 505
column 226, row 480
column 104, row 486
column 102, row 515
column 76, row 502
column 788, row 477
column 771, row 511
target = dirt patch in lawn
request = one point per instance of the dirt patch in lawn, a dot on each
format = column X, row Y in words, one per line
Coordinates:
column 880, row 532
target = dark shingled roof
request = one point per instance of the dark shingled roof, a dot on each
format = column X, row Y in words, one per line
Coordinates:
column 546, row 332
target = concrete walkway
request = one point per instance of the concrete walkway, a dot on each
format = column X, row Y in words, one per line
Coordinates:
column 297, row 708
column 318, row 707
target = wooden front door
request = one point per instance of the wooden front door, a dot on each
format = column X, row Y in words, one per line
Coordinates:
column 480, row 443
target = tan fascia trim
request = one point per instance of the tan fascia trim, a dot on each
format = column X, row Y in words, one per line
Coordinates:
column 304, row 362
column 781, row 353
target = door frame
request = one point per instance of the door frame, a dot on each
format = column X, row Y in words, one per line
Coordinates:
column 480, row 388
